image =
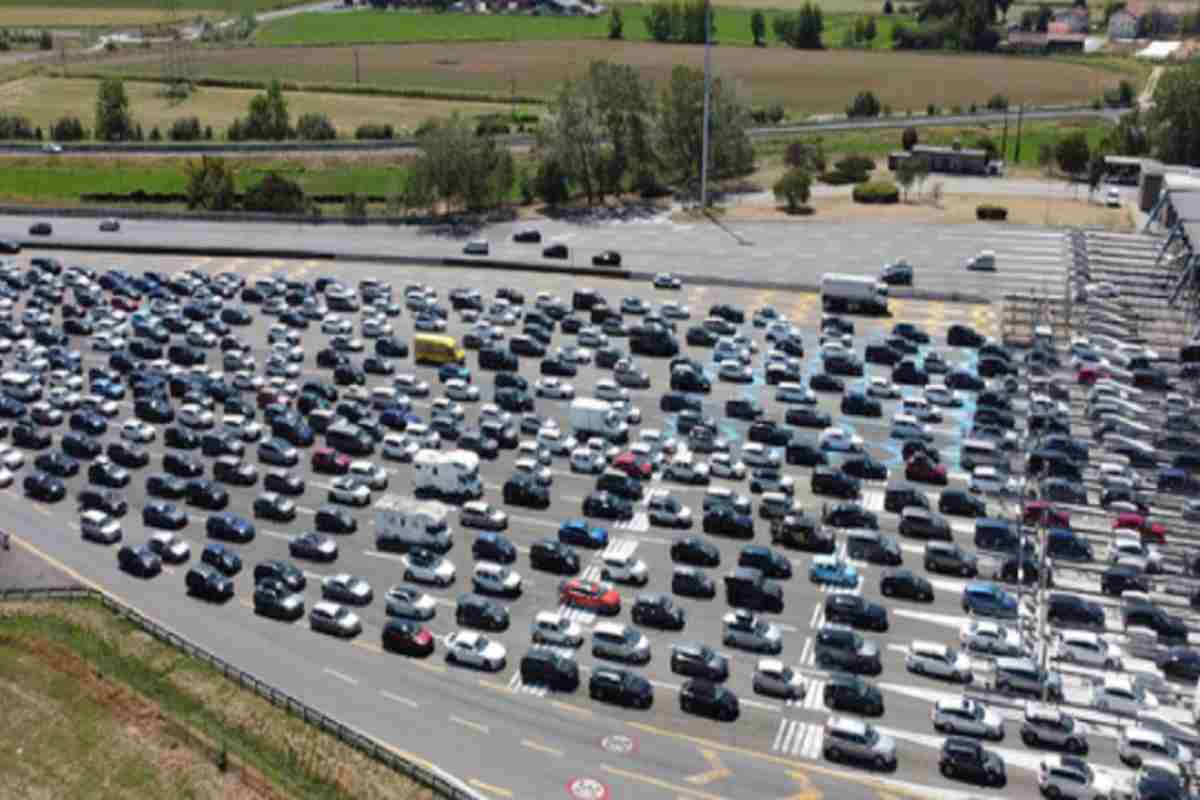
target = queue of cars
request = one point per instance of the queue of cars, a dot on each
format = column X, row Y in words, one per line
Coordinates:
column 193, row 319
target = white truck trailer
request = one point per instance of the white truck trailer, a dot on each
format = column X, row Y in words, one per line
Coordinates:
column 402, row 523
column 593, row 417
column 451, row 475
column 853, row 294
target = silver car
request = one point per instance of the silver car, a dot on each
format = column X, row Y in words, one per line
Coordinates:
column 550, row 627
column 776, row 679
column 938, row 661
column 963, row 715
column 334, row 619
column 410, row 603
column 743, row 629
column 849, row 739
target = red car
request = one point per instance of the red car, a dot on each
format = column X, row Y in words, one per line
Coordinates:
column 407, row 637
column 922, row 468
column 1041, row 512
column 1150, row 530
column 633, row 465
column 591, row 595
column 329, row 461
column 1089, row 375
column 122, row 303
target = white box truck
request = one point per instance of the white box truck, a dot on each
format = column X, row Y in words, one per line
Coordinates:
column 853, row 294
column 402, row 523
column 593, row 417
column 447, row 475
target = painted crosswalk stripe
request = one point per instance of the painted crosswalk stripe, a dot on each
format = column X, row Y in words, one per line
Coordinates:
column 515, row 684
column 797, row 738
column 872, row 500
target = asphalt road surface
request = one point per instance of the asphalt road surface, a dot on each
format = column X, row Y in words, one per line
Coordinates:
column 511, row 740
column 771, row 253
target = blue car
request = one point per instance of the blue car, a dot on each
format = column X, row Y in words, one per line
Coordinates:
column 448, row 372
column 833, row 571
column 988, row 600
column 578, row 532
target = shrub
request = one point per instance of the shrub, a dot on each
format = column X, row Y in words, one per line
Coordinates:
column 865, row 104
column 876, row 192
column 374, row 130
column 185, row 129
column 793, row 188
column 887, row 7
column 910, row 138
column 45, row 41
column 15, row 126
column 67, row 129
column 997, row 102
column 988, row 212
column 275, row 193
column 315, row 127
column 155, row 134
column 771, row 115
column 208, row 133
column 356, row 208
column 854, row 163
column 931, row 110
column 493, row 125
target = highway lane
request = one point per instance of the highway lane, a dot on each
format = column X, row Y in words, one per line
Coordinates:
column 453, row 706
column 1028, row 258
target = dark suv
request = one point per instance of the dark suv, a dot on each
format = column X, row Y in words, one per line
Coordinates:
column 839, row 646
column 830, row 481
column 698, row 661
column 1169, row 627
column 552, row 556
column 1073, row 611
column 855, row 611
column 657, row 610
column 967, row 760
column 475, row 611
column 545, row 666
column 620, row 686
column 845, row 692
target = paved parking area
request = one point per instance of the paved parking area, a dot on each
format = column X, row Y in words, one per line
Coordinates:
column 775, row 747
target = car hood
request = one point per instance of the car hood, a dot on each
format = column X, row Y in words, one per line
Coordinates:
column 992, row 718
column 493, row 650
column 868, row 650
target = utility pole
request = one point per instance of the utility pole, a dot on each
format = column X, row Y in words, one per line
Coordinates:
column 356, row 73
column 1017, row 151
column 1004, row 138
column 707, row 89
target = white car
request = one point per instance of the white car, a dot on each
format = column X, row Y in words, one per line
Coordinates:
column 907, row 428
column 723, row 465
column 458, row 389
column 135, row 430
column 587, row 461
column 400, row 447
column 553, row 388
column 422, row 434
column 673, row 310
column 920, row 409
column 279, row 367
column 63, row 398
column 882, row 388
column 410, row 385
column 485, row 516
column 683, row 470
column 938, row 661
column 795, row 393
column 1126, row 549
column 10, row 457
column 245, row 429
column 1112, row 199
column 992, row 638
column 1121, row 695
column 666, row 280
column 336, row 326
column 430, row 323
column 350, row 491
column 410, row 603
column 1136, row 744
column 839, row 440
column 491, row 411
column 744, row 629
column 170, row 548
column 1087, row 648
column 101, row 405
column 373, row 475
column 591, row 337
column 423, row 566
column 556, row 441
column 552, row 628
column 492, row 578
column 334, row 618
column 757, row 454
column 734, row 371
column 107, row 343
column 535, row 470
column 607, row 389
column 964, row 715
column 772, row 677
column 620, row 568
column 991, row 482
column 6, row 477
column 247, row 381
column 99, row 527
column 1073, row 778
column 574, row 354
column 193, row 416
column 939, row 395
column 374, row 328
column 476, row 650
column 346, row 588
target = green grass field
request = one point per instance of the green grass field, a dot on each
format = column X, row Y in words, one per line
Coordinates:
column 380, row 27
column 184, row 6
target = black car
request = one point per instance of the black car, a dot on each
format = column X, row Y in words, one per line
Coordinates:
column 557, row 250
column 59, row 465
column 807, row 417
column 847, row 692
column 182, row 465
column 40, row 229
column 181, row 438
column 1071, row 610
column 699, row 696
column 824, row 382
column 225, row 560
column 286, row 573
column 699, row 336
column 558, row 366
column 523, row 489
column 858, row 403
column 606, row 258
column 106, row 473
column 170, row 487
column 692, row 582
column 127, row 454
column 607, row 505
column 866, row 468
column 725, row 521
column 89, row 423
column 728, row 312
column 165, row 516
column 208, row 583
column 106, row 500
column 206, row 494
column 849, row 515
column 30, row 437
column 964, row 336
column 334, row 519
column 550, row 555
column 492, row 546
column 772, row 564
column 140, row 561
column 80, row 445
column 696, row 552
column 230, row 528
column 904, row 583
column 768, row 431
column 1180, row 663
column 476, row 611
column 47, row 488
column 967, row 760
column 833, row 482
column 961, row 503
column 855, row 611
column 284, row 483
column 657, row 610
column 1168, row 627
column 1121, row 578
column 231, row 470
column 621, row 687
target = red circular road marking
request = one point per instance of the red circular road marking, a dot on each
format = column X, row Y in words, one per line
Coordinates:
column 620, row 744
column 587, row 789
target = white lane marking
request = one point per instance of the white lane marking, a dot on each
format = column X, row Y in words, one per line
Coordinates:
column 341, row 676
column 402, row 700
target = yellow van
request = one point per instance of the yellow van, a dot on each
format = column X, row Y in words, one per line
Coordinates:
column 428, row 349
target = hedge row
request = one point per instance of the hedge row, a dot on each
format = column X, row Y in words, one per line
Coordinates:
column 167, row 198
column 987, row 212
column 876, row 192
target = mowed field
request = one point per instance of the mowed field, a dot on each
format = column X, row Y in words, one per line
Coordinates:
column 116, row 13
column 44, row 100
column 800, row 81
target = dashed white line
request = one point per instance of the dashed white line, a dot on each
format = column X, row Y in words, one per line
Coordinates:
column 341, row 676
column 402, row 700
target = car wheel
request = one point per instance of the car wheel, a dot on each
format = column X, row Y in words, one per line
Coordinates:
column 948, row 770
column 881, row 763
column 408, row 576
column 833, row 754
column 886, row 589
column 940, row 727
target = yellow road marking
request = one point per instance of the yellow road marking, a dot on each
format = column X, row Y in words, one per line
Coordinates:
column 492, row 685
column 469, row 724
column 487, row 787
column 807, row 790
column 661, row 784
column 532, row 745
column 571, row 707
column 716, row 770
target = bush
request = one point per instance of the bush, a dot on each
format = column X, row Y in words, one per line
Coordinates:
column 315, row 127
column 275, row 193
column 45, row 41
column 374, row 130
column 208, row 133
column 997, row 102
column 185, row 129
column 987, row 212
column 910, row 138
column 865, row 104
column 931, row 110
column 67, row 129
column 887, row 7
column 493, row 125
column 155, row 134
column 854, row 163
column 356, row 208
column 771, row 115
column 876, row 192
column 15, row 126
column 793, row 188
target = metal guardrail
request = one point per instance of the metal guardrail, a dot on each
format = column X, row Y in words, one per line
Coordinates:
column 440, row 782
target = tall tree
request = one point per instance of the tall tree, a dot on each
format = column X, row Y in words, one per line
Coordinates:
column 572, row 137
column 680, row 121
column 1072, row 153
column 209, row 184
column 1174, row 121
column 758, row 28
column 268, row 115
column 114, row 123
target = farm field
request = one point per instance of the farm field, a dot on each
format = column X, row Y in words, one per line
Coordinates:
column 116, row 13
column 44, row 100
column 800, row 81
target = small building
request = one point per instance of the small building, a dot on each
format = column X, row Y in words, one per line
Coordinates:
column 1122, row 25
column 950, row 160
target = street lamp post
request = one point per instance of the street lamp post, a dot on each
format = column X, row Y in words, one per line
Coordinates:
column 707, row 89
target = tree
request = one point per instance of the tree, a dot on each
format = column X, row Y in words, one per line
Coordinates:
column 793, row 187
column 865, row 104
column 113, row 120
column 616, row 26
column 1174, row 122
column 460, row 168
column 758, row 28
column 920, row 171
column 209, row 184
column 906, row 175
column 1095, row 172
column 1003, row 6
column 680, row 114
column 417, row 192
column 887, row 8
column 857, row 29
column 869, row 30
column 275, row 194
column 268, row 116
column 802, row 29
column 1128, row 137
column 909, row 139
column 1072, row 153
column 315, row 127
column 550, row 183
column 810, row 157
